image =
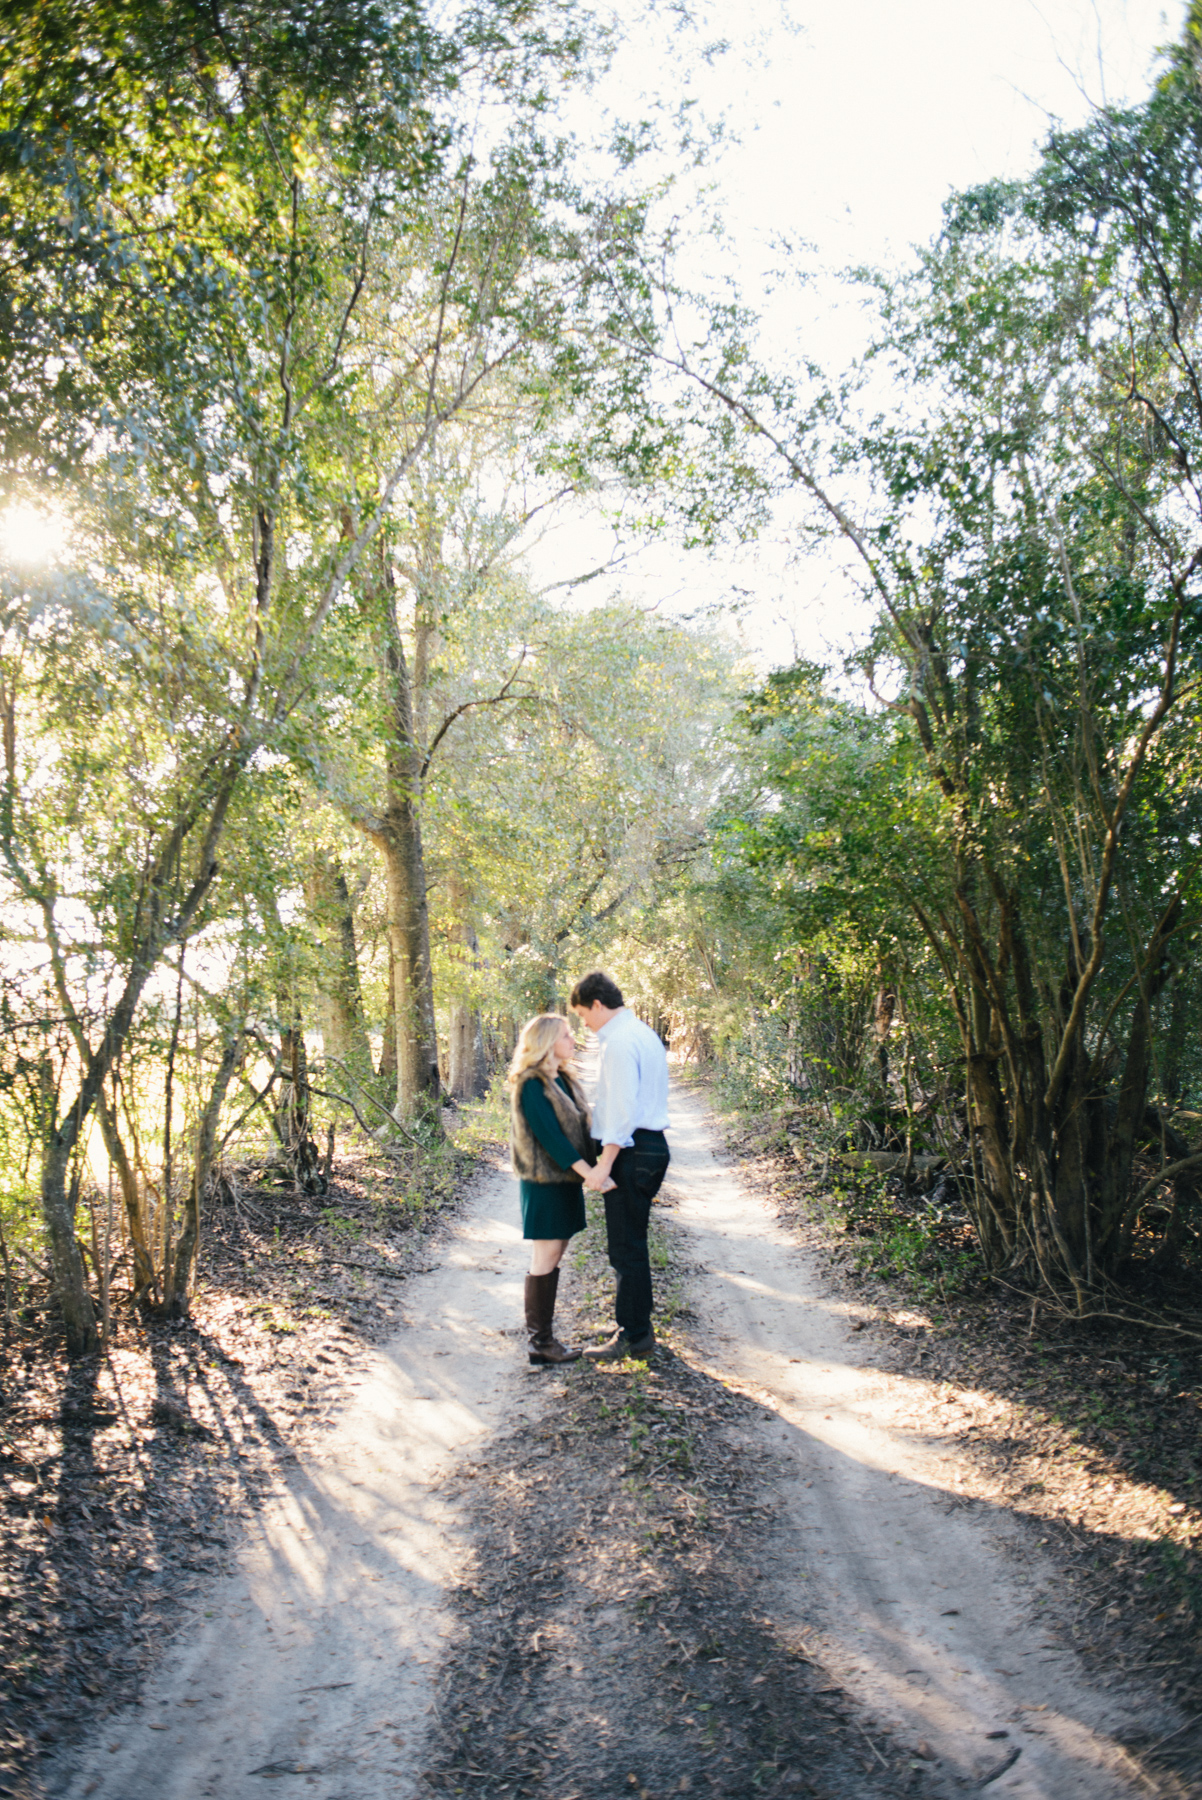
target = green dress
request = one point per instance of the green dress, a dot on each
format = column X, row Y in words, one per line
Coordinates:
column 550, row 1209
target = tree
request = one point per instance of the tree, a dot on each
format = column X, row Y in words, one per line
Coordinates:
column 207, row 214
column 1027, row 524
column 570, row 817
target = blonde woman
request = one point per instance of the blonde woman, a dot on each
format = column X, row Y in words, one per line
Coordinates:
column 551, row 1147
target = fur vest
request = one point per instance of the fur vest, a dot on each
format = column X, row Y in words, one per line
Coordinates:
column 530, row 1161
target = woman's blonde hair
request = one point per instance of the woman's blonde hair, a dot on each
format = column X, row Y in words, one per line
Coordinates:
column 535, row 1044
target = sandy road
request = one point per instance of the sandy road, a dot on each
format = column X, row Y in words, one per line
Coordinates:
column 315, row 1658
column 314, row 1661
column 923, row 1608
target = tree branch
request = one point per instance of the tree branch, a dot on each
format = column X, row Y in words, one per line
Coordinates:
column 490, row 700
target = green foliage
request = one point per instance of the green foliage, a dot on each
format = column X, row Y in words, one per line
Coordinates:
column 249, row 274
column 932, row 1257
column 963, row 906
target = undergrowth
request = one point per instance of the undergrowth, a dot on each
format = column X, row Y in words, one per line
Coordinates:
column 916, row 1235
column 927, row 1248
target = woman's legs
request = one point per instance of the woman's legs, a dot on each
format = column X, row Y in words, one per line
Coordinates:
column 541, row 1286
column 546, row 1254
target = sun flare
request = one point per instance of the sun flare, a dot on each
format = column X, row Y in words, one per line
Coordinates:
column 31, row 535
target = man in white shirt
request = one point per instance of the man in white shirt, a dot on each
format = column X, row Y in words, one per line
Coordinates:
column 630, row 1116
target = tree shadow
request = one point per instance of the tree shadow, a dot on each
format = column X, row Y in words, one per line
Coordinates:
column 647, row 1612
column 130, row 1524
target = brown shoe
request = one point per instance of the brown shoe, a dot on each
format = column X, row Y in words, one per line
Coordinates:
column 554, row 1352
column 543, row 1345
column 619, row 1347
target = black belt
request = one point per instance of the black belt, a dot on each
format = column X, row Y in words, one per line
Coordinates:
column 656, row 1135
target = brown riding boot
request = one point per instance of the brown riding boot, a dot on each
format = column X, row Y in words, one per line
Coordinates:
column 544, row 1346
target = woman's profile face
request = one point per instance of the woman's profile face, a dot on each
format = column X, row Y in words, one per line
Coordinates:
column 564, row 1046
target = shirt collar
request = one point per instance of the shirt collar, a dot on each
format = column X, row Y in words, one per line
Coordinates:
column 610, row 1023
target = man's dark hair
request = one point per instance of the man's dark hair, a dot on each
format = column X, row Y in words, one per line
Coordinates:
column 594, row 987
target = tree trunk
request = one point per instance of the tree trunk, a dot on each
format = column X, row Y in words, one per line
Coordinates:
column 400, row 839
column 292, row 1106
column 1066, row 1164
column 996, row 1218
column 397, row 834
column 467, row 1076
column 177, row 1280
column 163, row 924
column 387, row 1069
column 1183, row 1009
column 883, row 1009
column 291, row 1116
column 340, row 997
column 70, row 1276
column 145, row 1278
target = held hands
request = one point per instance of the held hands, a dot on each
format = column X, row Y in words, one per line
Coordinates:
column 596, row 1179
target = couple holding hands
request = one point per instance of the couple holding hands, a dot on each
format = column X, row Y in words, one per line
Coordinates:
column 619, row 1152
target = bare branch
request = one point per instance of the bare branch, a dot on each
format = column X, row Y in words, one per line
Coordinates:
column 491, row 700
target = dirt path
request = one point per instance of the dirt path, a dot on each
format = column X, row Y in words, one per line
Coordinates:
column 928, row 1607
column 316, row 1657
column 343, row 1657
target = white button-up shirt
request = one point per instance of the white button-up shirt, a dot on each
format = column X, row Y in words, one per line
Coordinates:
column 632, row 1081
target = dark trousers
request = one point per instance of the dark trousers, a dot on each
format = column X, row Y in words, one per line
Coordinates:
column 639, row 1173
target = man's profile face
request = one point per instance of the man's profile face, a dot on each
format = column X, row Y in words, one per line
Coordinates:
column 593, row 1016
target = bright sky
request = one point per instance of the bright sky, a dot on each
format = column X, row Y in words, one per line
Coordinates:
column 855, row 122
column 859, row 118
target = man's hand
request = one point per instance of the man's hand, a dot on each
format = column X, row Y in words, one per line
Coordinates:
column 598, row 1181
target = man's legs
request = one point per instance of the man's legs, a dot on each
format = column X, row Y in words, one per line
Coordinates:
column 639, row 1173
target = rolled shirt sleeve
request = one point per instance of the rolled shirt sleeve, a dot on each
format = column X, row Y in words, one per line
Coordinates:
column 632, row 1082
column 616, row 1112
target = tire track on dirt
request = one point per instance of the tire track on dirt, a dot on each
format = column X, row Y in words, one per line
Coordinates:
column 613, row 1633
column 928, row 1604
column 313, row 1663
